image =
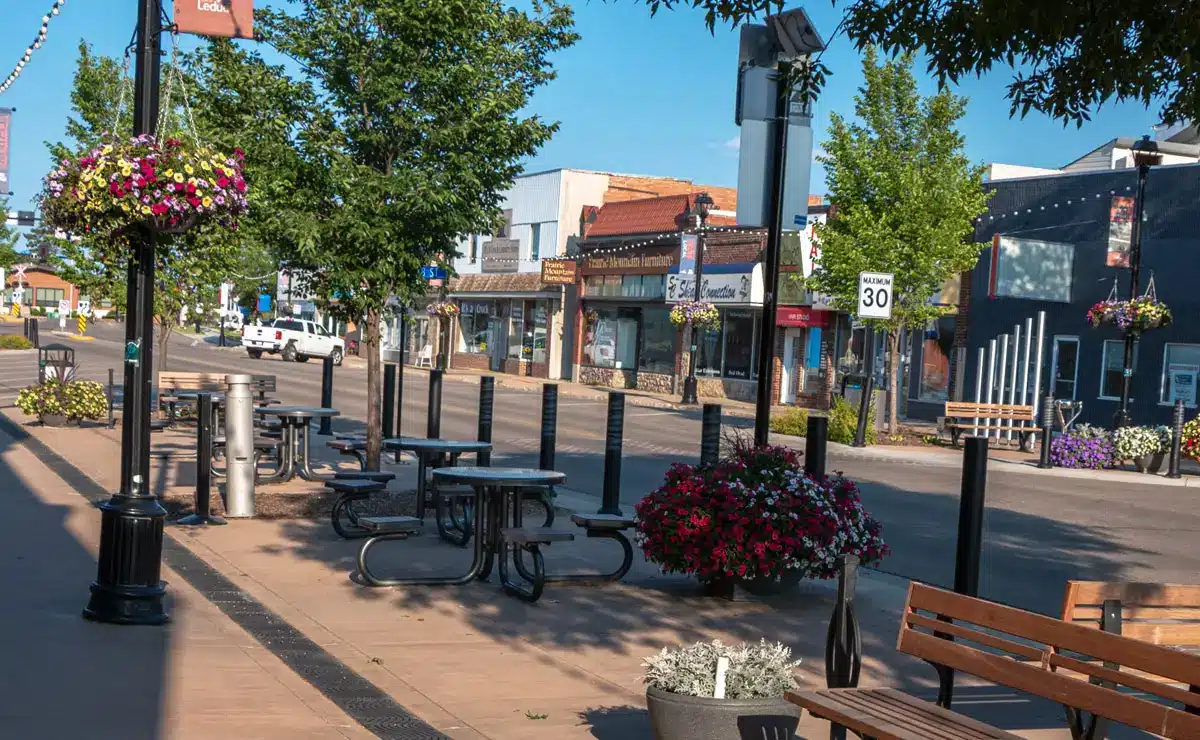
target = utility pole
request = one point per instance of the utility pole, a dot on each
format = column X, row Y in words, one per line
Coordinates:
column 128, row 587
column 690, row 391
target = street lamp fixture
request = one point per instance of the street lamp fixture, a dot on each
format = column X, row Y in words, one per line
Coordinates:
column 1145, row 155
column 701, row 205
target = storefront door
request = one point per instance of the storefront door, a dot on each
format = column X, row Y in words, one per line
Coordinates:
column 793, row 367
column 498, row 343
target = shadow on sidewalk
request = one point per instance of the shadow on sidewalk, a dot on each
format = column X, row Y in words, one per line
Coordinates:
column 63, row 676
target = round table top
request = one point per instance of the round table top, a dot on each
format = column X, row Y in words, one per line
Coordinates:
column 420, row 444
column 296, row 412
column 471, row 475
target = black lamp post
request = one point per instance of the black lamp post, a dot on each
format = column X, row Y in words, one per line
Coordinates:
column 1145, row 156
column 128, row 587
column 701, row 207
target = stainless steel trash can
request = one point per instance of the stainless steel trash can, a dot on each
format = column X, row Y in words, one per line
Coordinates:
column 239, row 446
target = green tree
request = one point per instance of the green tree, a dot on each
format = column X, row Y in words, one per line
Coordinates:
column 9, row 237
column 906, row 197
column 425, row 127
column 1072, row 58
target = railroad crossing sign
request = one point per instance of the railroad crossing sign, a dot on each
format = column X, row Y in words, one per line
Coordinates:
column 20, row 270
column 875, row 296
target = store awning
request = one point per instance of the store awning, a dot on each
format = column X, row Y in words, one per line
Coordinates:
column 505, row 285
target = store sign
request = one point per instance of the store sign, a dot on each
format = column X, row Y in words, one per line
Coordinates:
column 500, row 255
column 657, row 262
column 469, row 308
column 1181, row 384
column 739, row 287
column 560, row 272
column 228, row 18
column 805, row 316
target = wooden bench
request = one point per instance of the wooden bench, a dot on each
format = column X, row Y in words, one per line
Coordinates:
column 960, row 416
column 1082, row 668
column 171, row 382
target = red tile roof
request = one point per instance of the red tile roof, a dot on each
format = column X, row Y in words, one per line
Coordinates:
column 648, row 216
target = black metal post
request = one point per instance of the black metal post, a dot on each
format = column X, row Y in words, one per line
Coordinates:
column 400, row 378
column 487, row 395
column 1045, row 462
column 128, row 587
column 843, row 656
column 611, row 501
column 766, row 345
column 111, row 392
column 1121, row 418
column 710, row 435
column 549, row 425
column 815, row 439
column 33, row 333
column 221, row 328
column 389, row 398
column 326, row 396
column 204, row 436
column 690, row 390
column 433, row 421
column 970, row 517
column 1176, row 440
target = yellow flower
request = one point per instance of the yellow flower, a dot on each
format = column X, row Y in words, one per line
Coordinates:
column 178, row 177
column 123, row 163
column 145, row 210
column 170, row 173
column 125, row 206
column 188, row 168
column 207, row 201
column 126, row 172
column 107, row 149
column 206, row 165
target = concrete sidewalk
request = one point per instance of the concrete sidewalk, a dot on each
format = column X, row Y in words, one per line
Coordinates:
column 470, row 661
column 200, row 677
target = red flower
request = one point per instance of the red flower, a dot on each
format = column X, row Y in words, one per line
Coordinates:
column 222, row 181
column 159, row 209
column 240, row 184
column 191, row 188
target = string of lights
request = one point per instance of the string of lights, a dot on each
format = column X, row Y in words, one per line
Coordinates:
column 37, row 44
column 647, row 241
column 1001, row 214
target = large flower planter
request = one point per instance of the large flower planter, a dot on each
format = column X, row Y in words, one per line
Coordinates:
column 1152, row 464
column 679, row 717
column 57, row 420
column 726, row 587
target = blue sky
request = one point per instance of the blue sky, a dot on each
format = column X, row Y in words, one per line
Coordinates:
column 636, row 95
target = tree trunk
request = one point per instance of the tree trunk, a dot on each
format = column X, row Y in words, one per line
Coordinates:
column 164, row 336
column 371, row 345
column 893, row 360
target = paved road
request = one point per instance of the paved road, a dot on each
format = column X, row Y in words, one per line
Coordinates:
column 1039, row 530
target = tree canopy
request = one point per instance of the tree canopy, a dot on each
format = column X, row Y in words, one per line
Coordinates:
column 1068, row 57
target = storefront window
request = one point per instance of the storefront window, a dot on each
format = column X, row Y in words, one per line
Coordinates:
column 611, row 337
column 1181, row 366
column 740, row 331
column 536, row 330
column 626, row 286
column 935, row 360
column 527, row 323
column 658, row 341
column 516, row 329
column 1112, row 368
column 49, row 297
column 473, row 320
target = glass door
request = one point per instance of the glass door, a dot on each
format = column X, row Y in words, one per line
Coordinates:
column 1064, row 368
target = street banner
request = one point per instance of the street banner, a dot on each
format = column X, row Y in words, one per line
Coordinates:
column 5, row 122
column 687, row 254
column 1120, row 231
column 228, row 18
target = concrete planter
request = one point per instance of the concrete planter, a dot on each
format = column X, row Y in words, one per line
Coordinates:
column 57, row 420
column 1153, row 464
column 679, row 717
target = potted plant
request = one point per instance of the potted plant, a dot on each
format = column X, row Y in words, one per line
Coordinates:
column 755, row 519
column 1131, row 317
column 442, row 309
column 688, row 700
column 1083, row 447
column 58, row 403
column 1190, row 440
column 1147, row 447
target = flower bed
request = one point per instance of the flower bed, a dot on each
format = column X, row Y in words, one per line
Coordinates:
column 1130, row 443
column 755, row 515
column 699, row 314
column 1084, row 447
column 1133, row 317
column 167, row 186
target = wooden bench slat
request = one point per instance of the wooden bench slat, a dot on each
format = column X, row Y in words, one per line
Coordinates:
column 1166, row 633
column 1125, row 678
column 887, row 714
column 1095, row 593
column 983, row 638
column 993, row 426
column 936, row 723
column 1092, row 614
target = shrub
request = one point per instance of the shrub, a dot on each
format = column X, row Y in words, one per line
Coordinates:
column 74, row 399
column 1083, row 447
column 1130, row 443
column 843, row 422
column 762, row 671
column 11, row 341
column 792, row 422
column 755, row 515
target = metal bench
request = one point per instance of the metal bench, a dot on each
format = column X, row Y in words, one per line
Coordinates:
column 356, row 448
column 391, row 525
column 529, row 539
column 350, row 490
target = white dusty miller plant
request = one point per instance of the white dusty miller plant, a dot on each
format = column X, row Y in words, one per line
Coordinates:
column 762, row 671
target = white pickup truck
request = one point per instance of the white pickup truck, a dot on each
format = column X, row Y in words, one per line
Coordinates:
column 294, row 339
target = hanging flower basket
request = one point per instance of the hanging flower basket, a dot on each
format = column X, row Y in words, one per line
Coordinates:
column 444, row 309
column 591, row 317
column 699, row 314
column 167, row 187
column 1132, row 317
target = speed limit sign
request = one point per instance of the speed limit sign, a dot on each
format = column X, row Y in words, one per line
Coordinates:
column 875, row 295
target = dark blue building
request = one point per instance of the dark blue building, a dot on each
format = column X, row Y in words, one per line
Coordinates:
column 1051, row 252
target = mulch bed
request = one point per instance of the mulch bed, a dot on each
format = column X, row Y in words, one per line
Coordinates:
column 315, row 504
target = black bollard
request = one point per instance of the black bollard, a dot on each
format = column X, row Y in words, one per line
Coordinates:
column 549, row 425
column 970, row 517
column 611, row 501
column 843, row 642
column 112, row 397
column 864, row 412
column 1044, row 462
column 433, row 421
column 326, row 395
column 1176, row 440
column 389, row 398
column 204, row 441
column 710, row 435
column 814, row 446
column 25, row 327
column 33, row 334
column 400, row 381
column 487, row 395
